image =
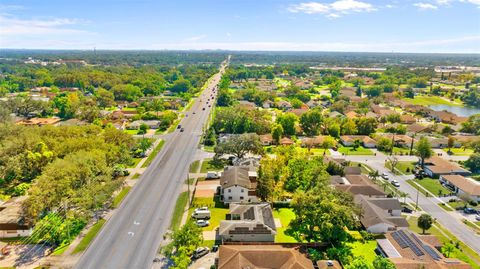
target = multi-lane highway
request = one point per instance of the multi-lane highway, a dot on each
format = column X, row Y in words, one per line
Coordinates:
column 131, row 237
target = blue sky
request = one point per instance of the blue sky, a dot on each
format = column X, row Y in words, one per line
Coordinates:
column 323, row 25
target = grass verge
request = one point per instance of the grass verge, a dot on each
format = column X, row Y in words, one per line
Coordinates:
column 121, row 195
column 194, row 166
column 178, row 211
column 89, row 236
column 153, row 154
column 432, row 185
column 209, row 165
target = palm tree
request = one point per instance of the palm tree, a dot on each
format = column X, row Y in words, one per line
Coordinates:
column 447, row 249
column 384, row 185
column 374, row 175
column 404, row 195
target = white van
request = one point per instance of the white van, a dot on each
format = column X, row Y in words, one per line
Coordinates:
column 211, row 175
column 201, row 213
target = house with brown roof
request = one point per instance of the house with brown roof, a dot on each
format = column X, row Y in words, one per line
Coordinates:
column 349, row 140
column 400, row 140
column 266, row 139
column 298, row 111
column 38, row 121
column 380, row 214
column 248, row 223
column 263, row 256
column 416, row 128
column 12, row 221
column 282, row 104
column 285, row 141
column 352, row 114
column 238, row 184
column 462, row 186
column 437, row 166
column 407, row 250
column 447, row 117
column 315, row 141
column 407, row 119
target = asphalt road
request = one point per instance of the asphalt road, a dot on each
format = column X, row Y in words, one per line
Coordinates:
column 430, row 205
column 131, row 237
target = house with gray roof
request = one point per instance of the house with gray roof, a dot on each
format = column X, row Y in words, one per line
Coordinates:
column 380, row 214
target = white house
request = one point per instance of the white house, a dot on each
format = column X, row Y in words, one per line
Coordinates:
column 381, row 214
column 12, row 222
column 248, row 223
column 463, row 186
column 238, row 184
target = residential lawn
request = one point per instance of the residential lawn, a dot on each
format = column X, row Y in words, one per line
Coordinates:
column 461, row 204
column 136, row 176
column 89, row 236
column 464, row 253
column 365, row 168
column 460, row 151
column 285, row 215
column 217, row 210
column 209, row 165
column 365, row 250
column 209, row 148
column 401, row 151
column 432, row 185
column 135, row 162
column 403, row 167
column 179, row 210
column 359, row 151
column 153, row 154
column 131, row 132
column 194, row 166
column 121, row 195
column 60, row 249
column 425, row 100
column 314, row 151
column 129, row 109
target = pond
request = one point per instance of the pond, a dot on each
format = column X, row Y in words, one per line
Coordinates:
column 459, row 110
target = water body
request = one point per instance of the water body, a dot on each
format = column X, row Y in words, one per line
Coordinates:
column 459, row 110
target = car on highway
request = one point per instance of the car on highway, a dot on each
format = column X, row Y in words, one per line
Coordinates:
column 385, row 176
column 200, row 252
column 395, row 183
column 202, row 223
column 179, row 126
column 181, row 130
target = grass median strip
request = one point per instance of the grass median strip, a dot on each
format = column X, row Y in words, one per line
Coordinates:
column 89, row 236
column 178, row 211
column 121, row 195
column 153, row 154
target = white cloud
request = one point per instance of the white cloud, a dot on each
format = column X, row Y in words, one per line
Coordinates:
column 473, row 2
column 196, row 38
column 425, row 6
column 334, row 9
column 14, row 26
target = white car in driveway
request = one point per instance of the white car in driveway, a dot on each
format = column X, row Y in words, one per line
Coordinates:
column 202, row 223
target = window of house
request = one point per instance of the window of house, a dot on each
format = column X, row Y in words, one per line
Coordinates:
column 241, row 190
column 229, row 190
column 229, row 197
column 241, row 197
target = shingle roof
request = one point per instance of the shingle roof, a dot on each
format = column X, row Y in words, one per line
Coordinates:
column 375, row 211
column 235, row 175
column 467, row 185
column 261, row 256
column 248, row 218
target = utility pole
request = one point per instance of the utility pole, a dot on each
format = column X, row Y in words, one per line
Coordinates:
column 416, row 203
column 188, row 187
column 411, row 144
column 393, row 143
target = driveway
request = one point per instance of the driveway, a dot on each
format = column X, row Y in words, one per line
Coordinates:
column 204, row 262
column 450, row 220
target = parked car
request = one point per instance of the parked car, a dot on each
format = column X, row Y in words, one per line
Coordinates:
column 395, row 183
column 212, row 175
column 200, row 252
column 477, row 218
column 469, row 210
column 201, row 213
column 385, row 176
column 179, row 126
column 202, row 223
column 406, row 210
column 215, row 248
column 181, row 130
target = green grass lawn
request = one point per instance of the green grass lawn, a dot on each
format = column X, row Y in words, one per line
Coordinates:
column 425, row 100
column 121, row 195
column 194, row 166
column 89, row 236
column 134, row 162
column 209, row 148
column 432, row 185
column 209, row 165
column 403, row 167
column 285, row 215
column 365, row 168
column 136, row 176
column 460, row 151
column 60, row 249
column 131, row 132
column 314, row 151
column 464, row 253
column 178, row 211
column 217, row 210
column 153, row 154
column 359, row 151
column 365, row 250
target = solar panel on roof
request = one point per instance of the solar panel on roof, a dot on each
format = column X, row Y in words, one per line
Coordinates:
column 432, row 253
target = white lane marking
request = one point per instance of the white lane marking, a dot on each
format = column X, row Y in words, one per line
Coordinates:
column 136, row 223
column 131, row 234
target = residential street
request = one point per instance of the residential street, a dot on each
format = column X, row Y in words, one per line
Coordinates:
column 130, row 239
column 450, row 220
